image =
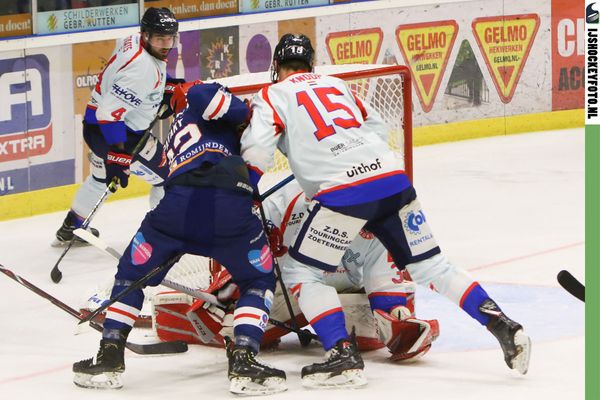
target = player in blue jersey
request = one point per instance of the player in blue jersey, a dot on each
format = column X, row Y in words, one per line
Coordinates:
column 207, row 211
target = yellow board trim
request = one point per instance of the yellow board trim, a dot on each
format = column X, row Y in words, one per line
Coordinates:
column 59, row 198
column 43, row 201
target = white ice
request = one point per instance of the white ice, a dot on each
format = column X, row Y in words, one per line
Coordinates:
column 509, row 209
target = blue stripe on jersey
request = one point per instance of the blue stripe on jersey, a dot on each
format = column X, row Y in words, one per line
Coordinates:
column 365, row 192
column 386, row 303
column 114, row 132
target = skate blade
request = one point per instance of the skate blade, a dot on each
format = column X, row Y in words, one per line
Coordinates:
column 521, row 361
column 106, row 380
column 247, row 387
column 349, row 379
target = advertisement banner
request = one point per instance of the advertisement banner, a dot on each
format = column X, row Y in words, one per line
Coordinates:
column 567, row 54
column 505, row 42
column 426, row 48
column 37, row 144
column 81, row 19
column 184, row 61
column 219, row 52
column 184, row 9
column 359, row 46
column 257, row 42
column 15, row 25
column 252, row 6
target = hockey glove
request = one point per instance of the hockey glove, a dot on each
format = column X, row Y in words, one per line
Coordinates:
column 169, row 88
column 276, row 240
column 117, row 167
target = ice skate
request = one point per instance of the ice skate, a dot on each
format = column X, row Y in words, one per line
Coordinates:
column 65, row 233
column 342, row 369
column 104, row 371
column 515, row 344
column 249, row 376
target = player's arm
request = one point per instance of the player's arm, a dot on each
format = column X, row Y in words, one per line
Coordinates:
column 168, row 93
column 215, row 102
column 260, row 138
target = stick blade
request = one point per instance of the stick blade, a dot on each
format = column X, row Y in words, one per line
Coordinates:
column 571, row 284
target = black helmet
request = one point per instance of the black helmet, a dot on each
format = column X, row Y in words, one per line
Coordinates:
column 159, row 20
column 292, row 47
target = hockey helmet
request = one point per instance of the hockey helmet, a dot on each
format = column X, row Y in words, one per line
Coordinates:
column 292, row 47
column 179, row 98
column 160, row 21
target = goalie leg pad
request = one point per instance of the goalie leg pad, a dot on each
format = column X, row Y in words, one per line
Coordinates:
column 408, row 338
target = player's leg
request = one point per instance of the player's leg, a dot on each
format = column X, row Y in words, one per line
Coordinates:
column 148, row 249
column 321, row 306
column 238, row 242
column 407, row 236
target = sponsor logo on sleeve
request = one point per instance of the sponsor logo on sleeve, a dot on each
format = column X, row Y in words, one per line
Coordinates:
column 25, row 108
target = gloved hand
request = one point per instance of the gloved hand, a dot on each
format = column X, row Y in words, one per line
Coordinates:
column 117, row 167
column 169, row 88
column 276, row 240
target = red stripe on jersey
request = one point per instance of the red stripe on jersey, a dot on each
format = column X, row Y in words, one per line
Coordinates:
column 246, row 315
column 221, row 102
column 119, row 311
column 324, row 314
column 134, row 56
column 466, row 293
column 255, row 169
column 360, row 182
column 279, row 127
column 102, row 73
column 157, row 78
column 361, row 106
column 288, row 213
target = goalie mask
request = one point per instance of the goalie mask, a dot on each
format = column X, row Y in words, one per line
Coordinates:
column 292, row 47
column 159, row 31
column 179, row 98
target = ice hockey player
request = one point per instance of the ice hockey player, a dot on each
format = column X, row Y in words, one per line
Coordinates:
column 359, row 185
column 123, row 104
column 206, row 210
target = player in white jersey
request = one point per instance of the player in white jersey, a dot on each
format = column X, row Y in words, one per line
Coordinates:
column 124, row 102
column 337, row 149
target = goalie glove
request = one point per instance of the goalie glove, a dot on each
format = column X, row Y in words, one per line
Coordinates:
column 406, row 337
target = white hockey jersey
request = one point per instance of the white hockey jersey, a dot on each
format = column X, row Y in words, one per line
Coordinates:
column 131, row 86
column 336, row 145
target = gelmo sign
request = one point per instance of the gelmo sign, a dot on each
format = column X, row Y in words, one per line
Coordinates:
column 25, row 111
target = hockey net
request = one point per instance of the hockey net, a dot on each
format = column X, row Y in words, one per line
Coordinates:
column 387, row 89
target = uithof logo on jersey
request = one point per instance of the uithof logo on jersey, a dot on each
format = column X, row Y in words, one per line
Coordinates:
column 25, row 111
column 364, row 168
column 591, row 16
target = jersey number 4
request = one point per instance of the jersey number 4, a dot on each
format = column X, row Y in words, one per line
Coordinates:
column 325, row 95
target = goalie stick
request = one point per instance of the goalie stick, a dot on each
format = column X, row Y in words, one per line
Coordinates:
column 98, row 243
column 55, row 273
column 154, row 348
column 571, row 284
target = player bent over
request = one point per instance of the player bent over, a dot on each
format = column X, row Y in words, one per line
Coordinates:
column 124, row 102
column 206, row 210
column 360, row 185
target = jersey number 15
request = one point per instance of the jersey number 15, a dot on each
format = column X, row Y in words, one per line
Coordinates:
column 324, row 95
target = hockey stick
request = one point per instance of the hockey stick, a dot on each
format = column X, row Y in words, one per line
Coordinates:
column 275, row 188
column 304, row 339
column 198, row 294
column 56, row 274
column 177, row 346
column 571, row 284
column 135, row 285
